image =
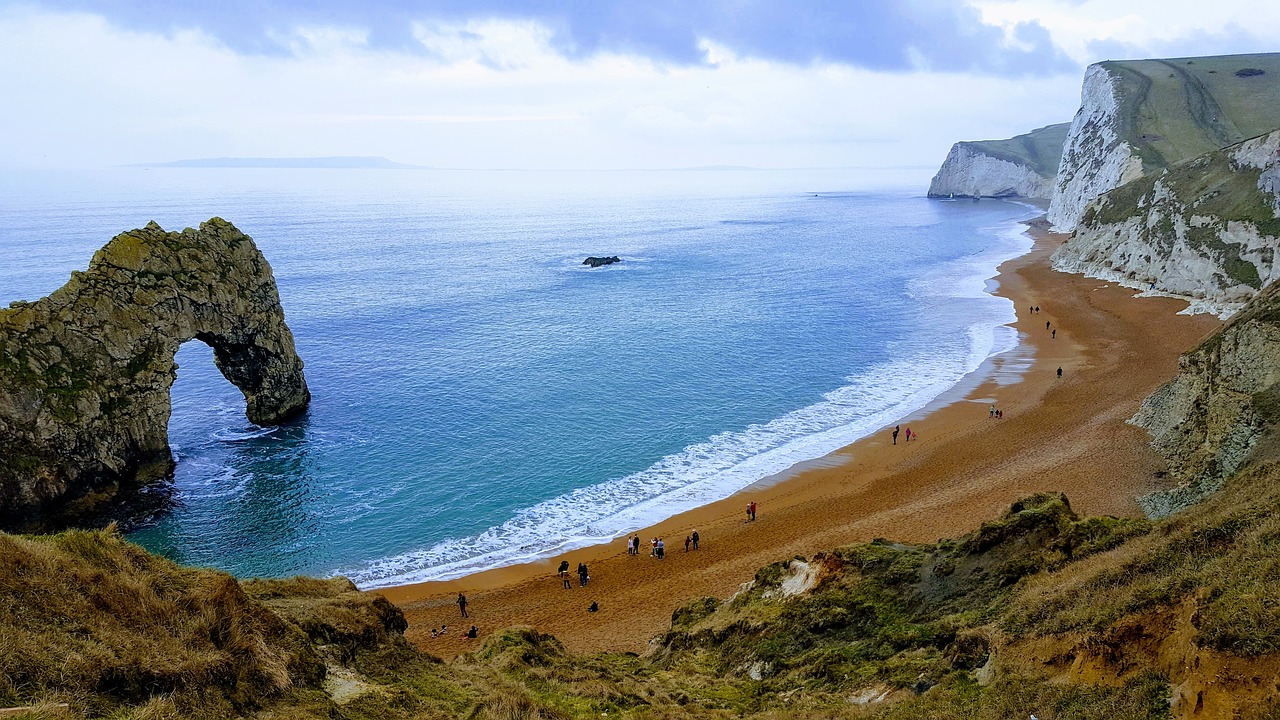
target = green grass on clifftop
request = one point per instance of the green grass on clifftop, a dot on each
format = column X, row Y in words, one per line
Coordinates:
column 1183, row 107
column 1040, row 150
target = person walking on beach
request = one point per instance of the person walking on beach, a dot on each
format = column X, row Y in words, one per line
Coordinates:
column 1059, row 371
column 992, row 412
column 752, row 509
column 653, row 547
column 1054, row 334
column 462, row 604
column 583, row 575
column 1037, row 309
column 564, row 574
column 687, row 542
column 1046, row 324
column 895, row 434
column 662, row 549
column 695, row 539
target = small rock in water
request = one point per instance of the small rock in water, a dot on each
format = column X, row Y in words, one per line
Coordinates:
column 598, row 261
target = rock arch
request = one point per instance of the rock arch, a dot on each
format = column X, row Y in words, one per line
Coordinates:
column 85, row 373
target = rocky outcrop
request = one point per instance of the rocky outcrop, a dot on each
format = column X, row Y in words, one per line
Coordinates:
column 596, row 262
column 1141, row 116
column 1023, row 166
column 85, row 373
column 1205, row 230
column 1221, row 408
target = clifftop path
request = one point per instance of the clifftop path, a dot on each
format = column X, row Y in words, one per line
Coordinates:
column 85, row 373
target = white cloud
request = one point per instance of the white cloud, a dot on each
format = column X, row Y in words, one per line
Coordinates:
column 1153, row 27
column 488, row 94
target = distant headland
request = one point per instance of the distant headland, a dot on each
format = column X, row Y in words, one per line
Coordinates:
column 340, row 162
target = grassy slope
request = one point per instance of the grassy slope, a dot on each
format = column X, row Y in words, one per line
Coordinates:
column 1040, row 149
column 1183, row 107
column 90, row 620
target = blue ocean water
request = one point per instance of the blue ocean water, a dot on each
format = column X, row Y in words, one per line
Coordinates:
column 481, row 398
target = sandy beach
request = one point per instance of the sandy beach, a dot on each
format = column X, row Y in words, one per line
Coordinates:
column 1064, row 434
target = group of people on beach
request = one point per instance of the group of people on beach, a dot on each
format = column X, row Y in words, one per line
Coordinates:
column 473, row 632
column 995, row 412
column 908, row 437
column 751, row 511
column 658, row 546
column 584, row 575
column 1053, row 331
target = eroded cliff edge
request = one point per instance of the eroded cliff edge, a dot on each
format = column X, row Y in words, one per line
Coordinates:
column 85, row 373
column 1022, row 166
column 1221, row 410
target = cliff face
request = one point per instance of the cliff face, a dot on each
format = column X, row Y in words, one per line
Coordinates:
column 1139, row 117
column 1219, row 411
column 85, row 373
column 1096, row 157
column 1023, row 166
column 1205, row 229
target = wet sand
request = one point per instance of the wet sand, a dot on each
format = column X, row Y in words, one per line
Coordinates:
column 1065, row 434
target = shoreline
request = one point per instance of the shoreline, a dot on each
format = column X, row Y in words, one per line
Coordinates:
column 965, row 469
column 966, row 277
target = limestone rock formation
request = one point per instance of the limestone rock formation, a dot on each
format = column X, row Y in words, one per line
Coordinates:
column 1139, row 117
column 1221, row 408
column 85, row 373
column 1023, row 166
column 1206, row 229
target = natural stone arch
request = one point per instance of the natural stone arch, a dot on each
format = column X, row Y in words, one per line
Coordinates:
column 85, row 373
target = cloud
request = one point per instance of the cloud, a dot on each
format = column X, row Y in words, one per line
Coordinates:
column 901, row 35
column 492, row 93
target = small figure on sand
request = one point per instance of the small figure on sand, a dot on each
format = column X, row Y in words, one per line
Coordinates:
column 1054, row 334
column 472, row 633
column 1046, row 324
column 583, row 575
column 653, row 547
column 435, row 633
column 444, row 629
column 751, row 511
column 999, row 414
column 695, row 539
column 1059, row 371
column 662, row 549
column 895, row 434
column 462, row 604
column 688, row 540
column 1037, row 309
column 992, row 411
column 564, row 574
column 595, row 607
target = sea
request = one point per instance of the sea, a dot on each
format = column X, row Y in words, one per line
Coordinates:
column 481, row 398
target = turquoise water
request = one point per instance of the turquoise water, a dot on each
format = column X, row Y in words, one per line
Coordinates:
column 480, row 398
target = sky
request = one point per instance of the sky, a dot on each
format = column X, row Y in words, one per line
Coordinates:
column 569, row 84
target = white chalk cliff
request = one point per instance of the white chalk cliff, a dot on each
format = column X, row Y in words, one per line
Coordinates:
column 1205, row 230
column 1023, row 166
column 1096, row 158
